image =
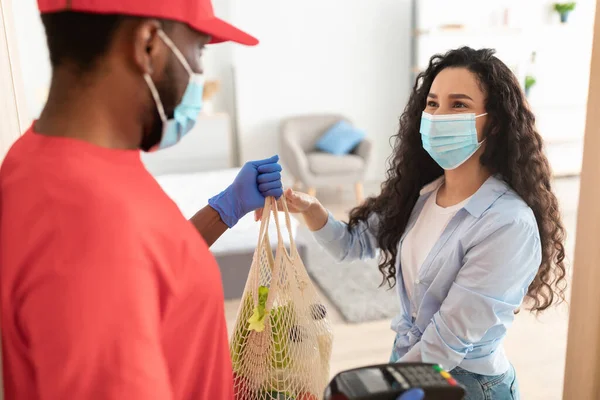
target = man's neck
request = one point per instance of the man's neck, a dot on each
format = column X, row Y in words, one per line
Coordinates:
column 82, row 108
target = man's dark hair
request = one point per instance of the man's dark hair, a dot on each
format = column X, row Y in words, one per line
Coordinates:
column 82, row 38
column 78, row 38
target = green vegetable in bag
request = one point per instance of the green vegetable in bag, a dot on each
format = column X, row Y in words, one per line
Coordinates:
column 257, row 320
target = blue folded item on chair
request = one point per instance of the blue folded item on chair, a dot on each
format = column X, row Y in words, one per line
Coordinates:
column 340, row 139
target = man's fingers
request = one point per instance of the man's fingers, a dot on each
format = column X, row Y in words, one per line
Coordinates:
column 264, row 187
column 270, row 160
column 271, row 177
column 274, row 193
column 266, row 168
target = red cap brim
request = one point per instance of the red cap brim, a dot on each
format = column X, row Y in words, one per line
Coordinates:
column 221, row 31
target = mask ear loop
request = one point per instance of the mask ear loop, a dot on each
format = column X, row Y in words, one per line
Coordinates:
column 152, row 86
column 175, row 51
column 480, row 143
column 157, row 101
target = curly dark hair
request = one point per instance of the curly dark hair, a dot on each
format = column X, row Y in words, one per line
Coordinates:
column 514, row 150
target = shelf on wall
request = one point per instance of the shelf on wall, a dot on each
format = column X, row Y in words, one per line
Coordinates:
column 458, row 31
column 559, row 28
column 564, row 141
column 556, row 106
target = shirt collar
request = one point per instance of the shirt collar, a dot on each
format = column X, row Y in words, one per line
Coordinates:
column 488, row 193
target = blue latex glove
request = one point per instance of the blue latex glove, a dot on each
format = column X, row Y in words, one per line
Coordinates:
column 412, row 394
column 255, row 181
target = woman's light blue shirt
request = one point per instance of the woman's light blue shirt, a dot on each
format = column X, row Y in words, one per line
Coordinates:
column 474, row 278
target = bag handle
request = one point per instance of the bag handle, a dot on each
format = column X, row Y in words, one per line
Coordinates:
column 271, row 206
column 264, row 222
column 288, row 224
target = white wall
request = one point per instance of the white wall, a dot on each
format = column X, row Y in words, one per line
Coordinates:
column 343, row 56
column 352, row 57
column 218, row 65
column 33, row 52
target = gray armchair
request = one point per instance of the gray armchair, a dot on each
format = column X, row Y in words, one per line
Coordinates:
column 313, row 168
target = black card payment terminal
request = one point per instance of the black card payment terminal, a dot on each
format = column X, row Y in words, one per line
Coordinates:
column 387, row 382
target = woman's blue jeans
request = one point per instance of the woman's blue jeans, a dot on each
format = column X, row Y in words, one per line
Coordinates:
column 481, row 387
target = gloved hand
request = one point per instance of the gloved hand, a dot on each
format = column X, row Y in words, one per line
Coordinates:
column 255, row 181
column 412, row 394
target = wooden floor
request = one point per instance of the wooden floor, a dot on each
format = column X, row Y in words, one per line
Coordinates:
column 535, row 346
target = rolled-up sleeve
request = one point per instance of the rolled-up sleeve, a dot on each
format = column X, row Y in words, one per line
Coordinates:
column 343, row 244
column 482, row 300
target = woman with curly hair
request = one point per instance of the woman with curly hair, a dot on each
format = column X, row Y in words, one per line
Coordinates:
column 466, row 225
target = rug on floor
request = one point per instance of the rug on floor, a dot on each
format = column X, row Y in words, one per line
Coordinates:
column 353, row 287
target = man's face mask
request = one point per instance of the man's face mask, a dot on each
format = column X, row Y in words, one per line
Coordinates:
column 187, row 111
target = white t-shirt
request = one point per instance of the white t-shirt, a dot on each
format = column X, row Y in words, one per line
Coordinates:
column 425, row 233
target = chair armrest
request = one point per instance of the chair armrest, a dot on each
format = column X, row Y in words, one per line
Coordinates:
column 295, row 159
column 364, row 150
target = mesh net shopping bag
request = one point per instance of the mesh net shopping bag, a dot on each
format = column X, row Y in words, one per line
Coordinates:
column 281, row 343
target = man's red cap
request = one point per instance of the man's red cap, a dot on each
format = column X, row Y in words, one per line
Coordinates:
column 198, row 14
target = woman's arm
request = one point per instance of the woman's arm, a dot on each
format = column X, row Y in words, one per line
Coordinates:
column 315, row 215
column 358, row 243
column 342, row 244
column 482, row 300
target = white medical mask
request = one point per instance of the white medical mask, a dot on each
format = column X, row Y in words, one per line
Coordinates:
column 187, row 111
column 450, row 139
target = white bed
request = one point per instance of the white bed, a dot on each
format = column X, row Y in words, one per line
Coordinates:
column 235, row 248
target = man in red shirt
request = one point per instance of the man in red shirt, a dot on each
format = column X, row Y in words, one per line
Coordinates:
column 107, row 291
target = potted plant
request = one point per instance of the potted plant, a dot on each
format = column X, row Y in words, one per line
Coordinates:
column 564, row 9
column 529, row 83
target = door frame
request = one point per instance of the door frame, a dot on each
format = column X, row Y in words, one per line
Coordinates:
column 13, row 107
column 582, row 369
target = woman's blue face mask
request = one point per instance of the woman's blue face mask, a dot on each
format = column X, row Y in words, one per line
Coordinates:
column 450, row 139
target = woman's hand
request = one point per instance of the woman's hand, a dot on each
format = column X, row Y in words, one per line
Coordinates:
column 297, row 202
column 311, row 209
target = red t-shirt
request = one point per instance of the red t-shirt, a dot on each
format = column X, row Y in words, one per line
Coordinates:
column 108, row 292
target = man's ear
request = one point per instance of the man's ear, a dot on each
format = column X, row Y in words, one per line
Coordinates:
column 149, row 51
